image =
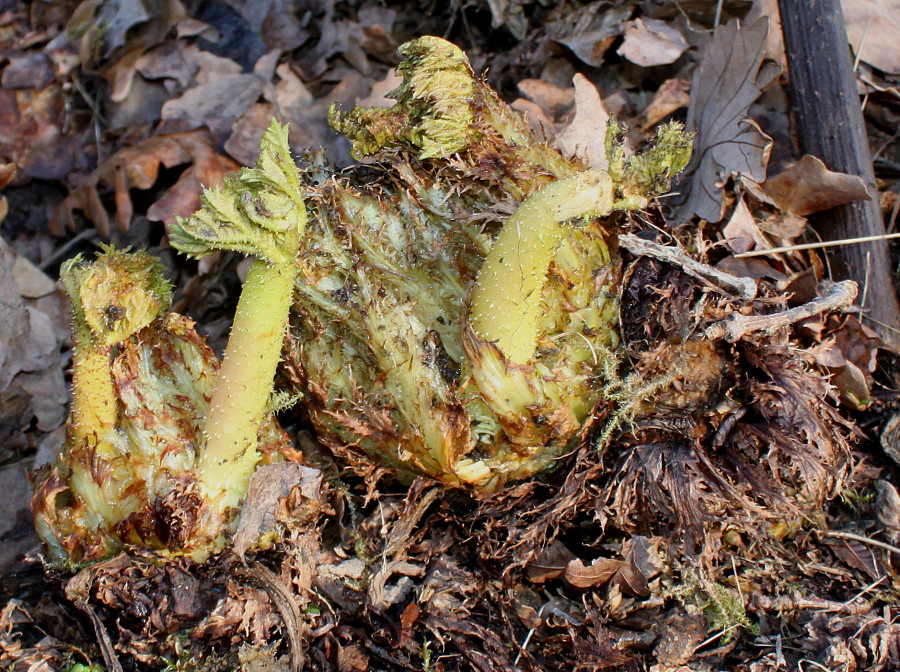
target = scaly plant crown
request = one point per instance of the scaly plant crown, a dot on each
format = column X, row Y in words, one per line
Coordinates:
column 109, row 310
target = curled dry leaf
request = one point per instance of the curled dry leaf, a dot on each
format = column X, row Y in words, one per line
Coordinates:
column 550, row 563
column 808, row 187
column 650, row 42
column 585, row 136
column 138, row 167
column 15, row 624
column 849, row 351
column 785, row 226
column 857, row 555
column 741, row 233
column 887, row 506
column 589, row 32
column 731, row 75
column 597, row 573
column 631, row 574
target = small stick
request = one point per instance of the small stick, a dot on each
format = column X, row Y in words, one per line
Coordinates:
column 815, row 246
column 676, row 256
column 861, row 539
column 840, row 295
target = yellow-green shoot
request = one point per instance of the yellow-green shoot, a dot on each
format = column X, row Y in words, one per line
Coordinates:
column 259, row 212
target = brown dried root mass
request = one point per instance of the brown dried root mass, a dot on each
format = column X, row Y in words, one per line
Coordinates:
column 744, row 438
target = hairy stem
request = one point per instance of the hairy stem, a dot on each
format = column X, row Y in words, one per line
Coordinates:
column 506, row 300
column 94, row 398
column 244, row 382
column 259, row 212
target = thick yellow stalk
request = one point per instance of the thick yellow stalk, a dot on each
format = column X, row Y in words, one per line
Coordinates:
column 106, row 310
column 244, row 382
column 259, row 212
column 506, row 301
column 94, row 399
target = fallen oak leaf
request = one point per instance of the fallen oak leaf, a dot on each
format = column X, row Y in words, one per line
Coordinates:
column 808, row 186
column 731, row 75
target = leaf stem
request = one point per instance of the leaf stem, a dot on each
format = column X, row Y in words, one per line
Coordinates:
column 244, row 382
column 259, row 212
column 506, row 300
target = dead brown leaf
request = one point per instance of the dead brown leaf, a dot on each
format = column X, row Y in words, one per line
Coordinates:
column 857, row 555
column 585, row 136
column 36, row 134
column 775, row 39
column 138, row 167
column 31, row 381
column 247, row 132
column 279, row 23
column 886, row 508
column 269, row 484
column 872, row 29
column 408, row 619
column 808, row 187
column 785, row 226
column 550, row 563
column 596, row 574
column 673, row 94
column 352, row 658
column 219, row 102
column 589, row 32
column 650, row 42
column 31, row 70
column 730, row 77
column 632, row 573
column 551, row 98
column 15, row 652
column 742, row 233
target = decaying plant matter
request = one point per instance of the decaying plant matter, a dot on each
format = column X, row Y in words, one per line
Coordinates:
column 455, row 311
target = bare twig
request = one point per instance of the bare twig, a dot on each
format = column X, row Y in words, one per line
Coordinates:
column 840, row 295
column 861, row 539
column 815, row 246
column 260, row 576
column 674, row 255
column 798, row 603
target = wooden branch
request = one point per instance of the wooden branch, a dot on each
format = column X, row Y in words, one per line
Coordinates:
column 737, row 325
column 829, row 124
column 678, row 257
